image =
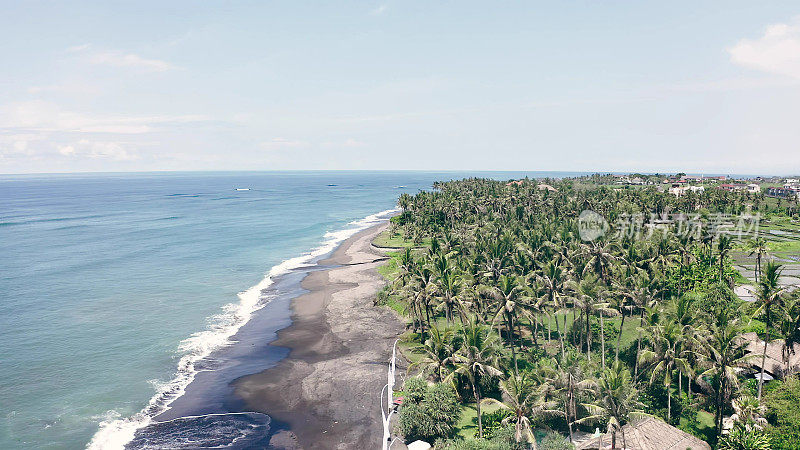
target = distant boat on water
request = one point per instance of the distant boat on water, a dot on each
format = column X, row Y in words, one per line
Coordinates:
column 400, row 187
column 331, row 185
column 242, row 189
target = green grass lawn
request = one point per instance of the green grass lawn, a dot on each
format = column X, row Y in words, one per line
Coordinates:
column 388, row 239
column 703, row 428
column 467, row 424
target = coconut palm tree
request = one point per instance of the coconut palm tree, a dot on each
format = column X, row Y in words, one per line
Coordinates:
column 526, row 402
column 666, row 356
column 553, row 278
column 725, row 353
column 769, row 296
column 587, row 296
column 788, row 327
column 437, row 351
column 510, row 297
column 478, row 356
column 758, row 247
column 449, row 288
column 568, row 380
column 617, row 401
column 724, row 246
column 748, row 413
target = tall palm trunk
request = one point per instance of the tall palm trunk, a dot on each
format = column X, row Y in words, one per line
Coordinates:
column 574, row 337
column 638, row 347
column 560, row 336
column 763, row 363
column 619, row 337
column 510, row 331
column 669, row 404
column 758, row 266
column 764, row 354
column 476, row 391
column 588, row 337
column 602, row 342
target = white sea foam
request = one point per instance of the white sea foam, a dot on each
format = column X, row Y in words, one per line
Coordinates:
column 115, row 432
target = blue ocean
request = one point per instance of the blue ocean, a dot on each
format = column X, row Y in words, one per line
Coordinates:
column 128, row 302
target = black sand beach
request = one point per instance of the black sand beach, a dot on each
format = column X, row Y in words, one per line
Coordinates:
column 327, row 391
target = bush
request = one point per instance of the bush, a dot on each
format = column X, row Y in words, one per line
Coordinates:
column 739, row 439
column 555, row 441
column 783, row 413
column 414, row 390
column 502, row 440
column 493, row 422
column 431, row 415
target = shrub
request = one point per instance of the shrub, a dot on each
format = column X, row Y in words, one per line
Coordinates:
column 783, row 413
column 493, row 422
column 431, row 415
column 739, row 439
column 502, row 440
column 555, row 441
column 414, row 390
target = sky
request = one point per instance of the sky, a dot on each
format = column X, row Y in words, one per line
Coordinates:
column 654, row 86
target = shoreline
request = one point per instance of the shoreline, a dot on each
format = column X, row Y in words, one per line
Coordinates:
column 325, row 393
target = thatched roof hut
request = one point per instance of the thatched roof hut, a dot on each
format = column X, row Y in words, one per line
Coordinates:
column 647, row 434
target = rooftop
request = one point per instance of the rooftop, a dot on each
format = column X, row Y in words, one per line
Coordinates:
column 648, row 434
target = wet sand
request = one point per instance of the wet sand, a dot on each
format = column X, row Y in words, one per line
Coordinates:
column 326, row 393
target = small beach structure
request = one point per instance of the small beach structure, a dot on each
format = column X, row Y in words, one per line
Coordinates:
column 419, row 445
column 647, row 434
column 778, row 363
column 546, row 187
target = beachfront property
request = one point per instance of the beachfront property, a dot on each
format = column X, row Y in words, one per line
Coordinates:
column 779, row 361
column 546, row 187
column 751, row 188
column 677, row 189
column 789, row 191
column 647, row 434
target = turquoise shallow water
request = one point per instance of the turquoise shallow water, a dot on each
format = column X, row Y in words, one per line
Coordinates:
column 107, row 281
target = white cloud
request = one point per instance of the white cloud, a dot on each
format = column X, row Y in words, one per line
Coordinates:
column 45, row 116
column 115, row 58
column 347, row 143
column 777, row 51
column 379, row 10
column 96, row 149
column 64, row 88
column 18, row 144
column 281, row 143
column 78, row 48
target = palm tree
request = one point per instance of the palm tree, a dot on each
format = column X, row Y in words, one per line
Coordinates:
column 683, row 312
column 568, row 380
column 758, row 247
column 724, row 246
column 449, row 288
column 510, row 297
column 748, row 413
column 478, row 356
column 725, row 352
column 665, row 357
column 617, row 402
column 525, row 400
column 769, row 295
column 553, row 279
column 788, row 327
column 423, row 290
column 436, row 353
column 587, row 296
